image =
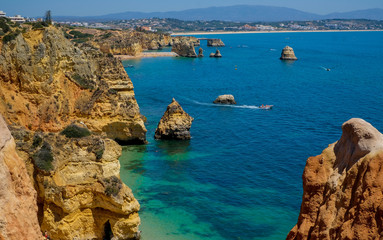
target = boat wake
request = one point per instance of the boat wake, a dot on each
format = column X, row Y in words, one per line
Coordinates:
column 225, row 105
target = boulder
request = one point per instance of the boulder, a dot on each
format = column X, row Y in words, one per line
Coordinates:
column 288, row 54
column 225, row 99
column 212, row 55
column 200, row 52
column 343, row 188
column 215, row 43
column 174, row 124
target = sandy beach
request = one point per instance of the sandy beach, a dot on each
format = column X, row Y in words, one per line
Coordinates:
column 147, row 55
column 252, row 32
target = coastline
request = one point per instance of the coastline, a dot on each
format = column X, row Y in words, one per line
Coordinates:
column 147, row 55
column 254, row 32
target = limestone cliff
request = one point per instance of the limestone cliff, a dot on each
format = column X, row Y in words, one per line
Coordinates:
column 214, row 42
column 343, row 188
column 80, row 194
column 46, row 83
column 124, row 42
column 174, row 124
column 18, row 206
column 184, row 47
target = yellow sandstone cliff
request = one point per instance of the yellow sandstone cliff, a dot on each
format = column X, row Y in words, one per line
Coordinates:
column 46, row 83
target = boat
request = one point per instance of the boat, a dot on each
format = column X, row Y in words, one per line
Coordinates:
column 266, row 107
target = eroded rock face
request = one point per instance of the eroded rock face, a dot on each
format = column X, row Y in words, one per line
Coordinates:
column 200, row 52
column 174, row 124
column 18, row 205
column 184, row 47
column 215, row 43
column 343, row 188
column 225, row 99
column 78, row 185
column 46, row 83
column 288, row 54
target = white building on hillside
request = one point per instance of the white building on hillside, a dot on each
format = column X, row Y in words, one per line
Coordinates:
column 2, row 14
column 17, row 19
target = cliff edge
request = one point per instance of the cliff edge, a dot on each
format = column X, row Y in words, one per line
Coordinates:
column 17, row 195
column 343, row 188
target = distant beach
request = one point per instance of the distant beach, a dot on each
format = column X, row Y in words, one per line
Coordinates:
column 147, row 55
column 247, row 32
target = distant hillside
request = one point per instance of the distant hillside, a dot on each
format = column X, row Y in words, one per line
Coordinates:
column 238, row 13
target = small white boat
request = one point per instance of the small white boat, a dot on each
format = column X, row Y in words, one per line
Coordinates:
column 266, row 107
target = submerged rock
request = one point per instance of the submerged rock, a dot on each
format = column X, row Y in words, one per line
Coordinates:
column 215, row 43
column 343, row 188
column 18, row 198
column 212, row 55
column 174, row 124
column 200, row 52
column 225, row 99
column 288, row 54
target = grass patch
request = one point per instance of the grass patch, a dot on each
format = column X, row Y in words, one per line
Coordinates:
column 74, row 131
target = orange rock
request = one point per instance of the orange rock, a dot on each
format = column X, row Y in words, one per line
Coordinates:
column 343, row 188
column 18, row 206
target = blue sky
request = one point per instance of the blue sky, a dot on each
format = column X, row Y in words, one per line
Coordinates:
column 100, row 7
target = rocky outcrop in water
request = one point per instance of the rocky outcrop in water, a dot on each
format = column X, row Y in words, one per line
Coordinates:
column 343, row 188
column 80, row 194
column 184, row 48
column 174, row 124
column 193, row 40
column 46, row 83
column 225, row 99
column 18, row 205
column 288, row 54
column 200, row 52
column 215, row 43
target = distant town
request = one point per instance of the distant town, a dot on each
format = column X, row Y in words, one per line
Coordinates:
column 170, row 25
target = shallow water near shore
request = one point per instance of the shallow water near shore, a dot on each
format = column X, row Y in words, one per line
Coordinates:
column 240, row 176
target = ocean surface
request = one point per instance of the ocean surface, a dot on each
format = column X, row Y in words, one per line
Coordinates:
column 240, row 176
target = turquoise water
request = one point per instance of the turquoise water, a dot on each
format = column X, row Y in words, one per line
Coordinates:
column 239, row 177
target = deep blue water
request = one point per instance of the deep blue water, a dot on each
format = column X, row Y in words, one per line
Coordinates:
column 239, row 177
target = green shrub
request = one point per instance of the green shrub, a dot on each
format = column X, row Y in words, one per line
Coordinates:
column 74, row 131
column 113, row 185
column 82, row 82
column 37, row 140
column 10, row 36
column 4, row 25
column 39, row 25
column 78, row 34
column 43, row 158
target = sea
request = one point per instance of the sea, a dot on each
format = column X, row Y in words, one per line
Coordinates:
column 240, row 176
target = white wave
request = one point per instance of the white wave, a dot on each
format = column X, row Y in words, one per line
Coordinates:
column 225, row 105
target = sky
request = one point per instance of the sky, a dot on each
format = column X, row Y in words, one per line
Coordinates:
column 32, row 8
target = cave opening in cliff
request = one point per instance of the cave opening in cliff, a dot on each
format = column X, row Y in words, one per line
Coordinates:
column 108, row 234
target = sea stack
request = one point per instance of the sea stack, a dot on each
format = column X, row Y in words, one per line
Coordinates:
column 343, row 188
column 212, row 55
column 217, row 54
column 225, row 99
column 288, row 54
column 200, row 52
column 184, row 48
column 215, row 43
column 174, row 124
